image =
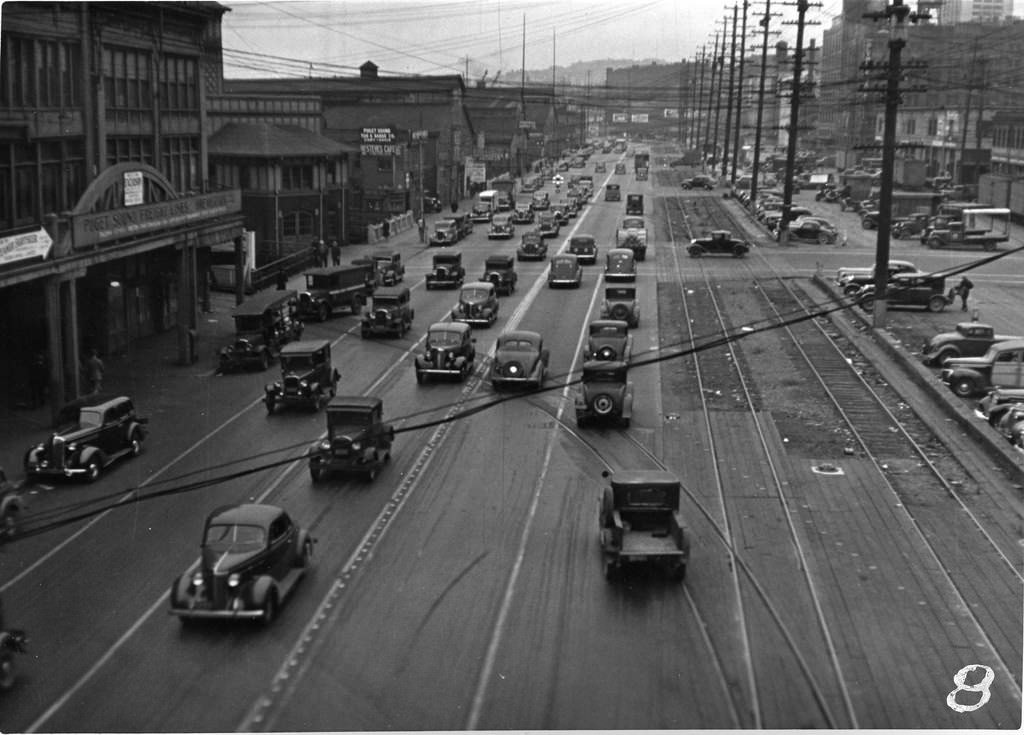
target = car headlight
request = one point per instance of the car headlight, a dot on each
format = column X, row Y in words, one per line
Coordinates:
column 234, row 580
column 72, row 448
column 303, row 384
column 325, row 445
column 197, row 579
column 356, row 446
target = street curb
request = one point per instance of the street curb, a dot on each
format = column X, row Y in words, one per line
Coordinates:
column 1008, row 460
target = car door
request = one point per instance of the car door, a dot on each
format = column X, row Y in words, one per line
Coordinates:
column 111, row 436
column 280, row 544
column 1007, row 369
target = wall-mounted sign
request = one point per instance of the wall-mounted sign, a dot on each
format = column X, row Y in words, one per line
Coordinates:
column 638, row 117
column 527, row 124
column 476, row 171
column 99, row 227
column 378, row 142
column 620, row 117
column 418, row 135
column 27, row 245
column 671, row 112
column 133, row 189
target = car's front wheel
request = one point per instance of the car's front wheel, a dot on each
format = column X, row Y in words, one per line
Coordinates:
column 93, row 470
column 270, row 607
column 136, row 443
column 963, row 387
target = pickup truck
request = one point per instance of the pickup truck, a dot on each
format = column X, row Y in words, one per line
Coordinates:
column 640, row 522
column 968, row 339
column 1001, row 367
column 851, row 279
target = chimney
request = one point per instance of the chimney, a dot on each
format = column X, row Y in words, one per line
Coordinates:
column 368, row 70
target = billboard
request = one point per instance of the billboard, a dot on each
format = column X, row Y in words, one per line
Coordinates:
column 378, row 142
column 620, row 117
column 638, row 117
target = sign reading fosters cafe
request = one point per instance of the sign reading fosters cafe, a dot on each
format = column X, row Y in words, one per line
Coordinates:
column 96, row 228
column 378, row 142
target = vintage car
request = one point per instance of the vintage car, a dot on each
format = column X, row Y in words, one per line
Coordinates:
column 968, row 339
column 12, row 641
column 561, row 214
column 449, row 351
column 909, row 289
column 481, row 213
column 612, row 193
column 500, row 270
column 12, row 505
column 503, row 201
column 478, row 304
column 583, row 247
column 540, row 201
column 447, row 271
column 632, row 233
column 389, row 312
column 501, row 226
column 263, row 324
column 390, row 269
column 565, row 270
column 700, row 181
column 1011, row 425
column 600, row 167
column 431, row 202
column 620, row 304
column 520, row 359
column 523, row 215
column 812, row 231
column 996, row 402
column 1001, row 367
column 912, row 225
column 532, row 247
column 719, row 242
column 358, row 441
column 250, row 561
column 852, row 279
column 335, row 287
column 308, row 377
column 548, row 224
column 90, row 435
column 463, row 225
column 604, row 394
column 608, row 339
column 446, row 232
column 620, row 168
column 640, row 522
column 635, row 204
column 620, row 265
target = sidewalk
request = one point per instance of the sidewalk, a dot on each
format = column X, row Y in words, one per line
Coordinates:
column 149, row 371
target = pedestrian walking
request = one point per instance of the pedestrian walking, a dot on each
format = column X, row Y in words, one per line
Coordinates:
column 321, row 249
column 38, row 376
column 335, row 253
column 963, row 290
column 282, row 280
column 314, row 252
column 422, row 227
column 385, row 228
column 94, row 370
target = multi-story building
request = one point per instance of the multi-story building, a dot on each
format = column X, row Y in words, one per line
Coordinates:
column 106, row 210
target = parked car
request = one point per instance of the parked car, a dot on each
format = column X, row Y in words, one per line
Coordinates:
column 520, row 359
column 719, row 242
column 532, row 247
column 91, row 434
column 358, row 440
column 996, row 402
column 584, row 247
column 608, row 339
column 604, row 394
column 565, row 270
column 523, row 215
column 1011, row 425
column 446, row 232
column 620, row 265
column 812, row 231
column 477, row 304
column 912, row 225
column 389, row 312
column 620, row 304
column 263, row 324
column 500, row 270
column 390, row 268
column 700, row 181
column 251, row 558
column 909, row 289
column 968, row 339
column 501, row 226
column 308, row 377
column 1001, row 367
column 448, row 351
column 446, row 271
column 851, row 279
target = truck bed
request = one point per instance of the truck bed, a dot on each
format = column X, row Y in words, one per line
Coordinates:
column 648, row 543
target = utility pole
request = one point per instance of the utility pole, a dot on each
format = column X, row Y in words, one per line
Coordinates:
column 711, row 97
column 695, row 135
column 739, row 96
column 732, row 81
column 897, row 15
column 765, row 21
column 794, row 121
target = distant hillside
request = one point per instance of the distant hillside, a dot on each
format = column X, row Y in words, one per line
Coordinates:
column 575, row 74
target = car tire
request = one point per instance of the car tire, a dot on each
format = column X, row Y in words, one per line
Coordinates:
column 963, row 387
column 620, row 312
column 93, row 470
column 824, row 240
column 419, row 377
column 136, row 443
column 7, row 674
column 679, row 572
column 602, row 404
column 316, row 471
column 305, row 557
column 945, row 354
column 606, row 353
column 270, row 607
column 611, row 572
column 937, row 304
column 324, row 312
column 264, row 360
column 738, row 251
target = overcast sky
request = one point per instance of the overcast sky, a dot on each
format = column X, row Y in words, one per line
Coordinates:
column 438, row 36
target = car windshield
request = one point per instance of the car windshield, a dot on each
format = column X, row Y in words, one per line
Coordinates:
column 517, row 345
column 384, row 261
column 384, row 302
column 562, row 266
column 233, row 536
column 248, row 323
column 442, row 226
column 296, row 363
column 578, row 244
column 444, row 338
column 475, row 294
column 606, row 330
column 445, row 261
column 633, row 223
column 90, row 417
column 619, row 259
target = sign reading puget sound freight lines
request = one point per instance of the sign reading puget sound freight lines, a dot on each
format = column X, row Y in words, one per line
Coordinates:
column 99, row 227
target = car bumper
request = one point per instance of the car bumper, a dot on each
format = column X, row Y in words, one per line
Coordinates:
column 209, row 613
column 524, row 255
column 620, row 277
column 443, row 282
column 471, row 320
column 46, row 471
column 563, row 282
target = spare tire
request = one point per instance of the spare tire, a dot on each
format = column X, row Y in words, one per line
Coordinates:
column 620, row 312
column 602, row 404
column 607, row 352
